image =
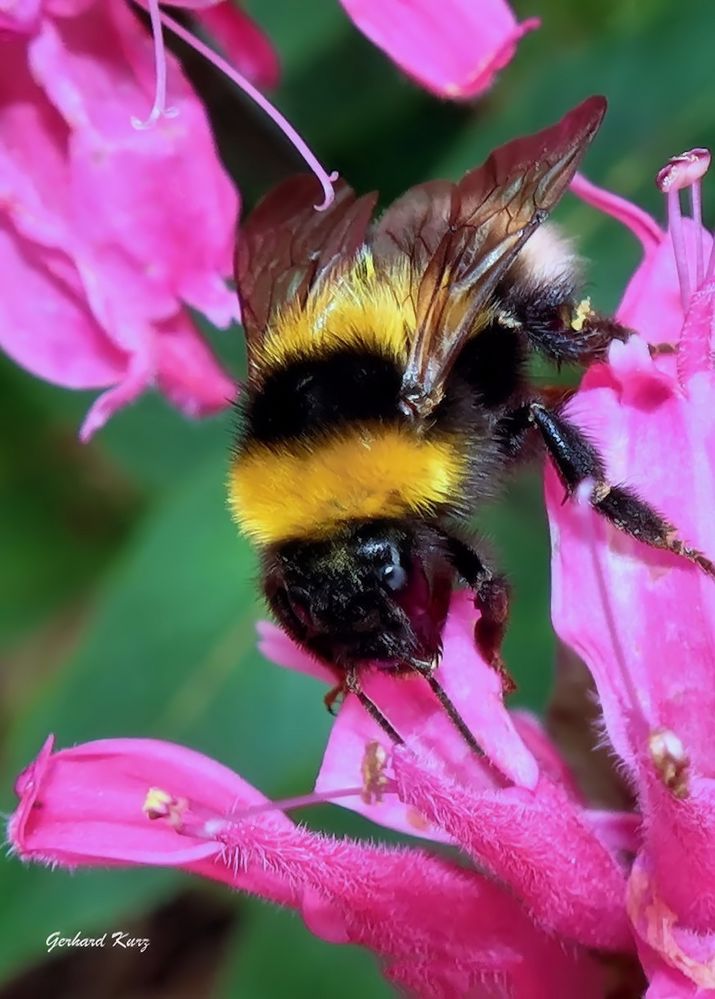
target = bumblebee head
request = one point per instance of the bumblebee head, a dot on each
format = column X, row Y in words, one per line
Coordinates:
column 377, row 591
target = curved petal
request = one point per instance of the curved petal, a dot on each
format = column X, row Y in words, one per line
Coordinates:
column 455, row 49
column 45, row 326
column 188, row 374
column 535, row 841
column 139, row 801
column 128, row 188
column 247, row 47
column 635, row 421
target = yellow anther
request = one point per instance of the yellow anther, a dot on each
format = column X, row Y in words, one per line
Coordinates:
column 159, row 804
column 670, row 759
column 372, row 768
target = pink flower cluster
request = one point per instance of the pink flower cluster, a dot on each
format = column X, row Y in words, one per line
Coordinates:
column 107, row 232
column 553, row 881
column 112, row 228
column 644, row 621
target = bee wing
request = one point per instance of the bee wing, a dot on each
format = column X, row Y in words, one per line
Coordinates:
column 460, row 239
column 285, row 247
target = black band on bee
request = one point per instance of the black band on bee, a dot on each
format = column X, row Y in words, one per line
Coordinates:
column 309, row 394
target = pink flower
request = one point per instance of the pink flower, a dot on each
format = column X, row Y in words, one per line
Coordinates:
column 110, row 227
column 455, row 49
column 440, row 930
column 516, row 811
column 644, row 621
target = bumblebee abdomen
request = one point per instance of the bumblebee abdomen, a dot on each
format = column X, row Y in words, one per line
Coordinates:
column 325, row 443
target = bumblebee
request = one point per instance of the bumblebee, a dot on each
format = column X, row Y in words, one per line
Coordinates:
column 388, row 394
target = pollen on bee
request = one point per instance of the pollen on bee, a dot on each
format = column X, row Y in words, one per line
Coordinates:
column 670, row 759
column 581, row 313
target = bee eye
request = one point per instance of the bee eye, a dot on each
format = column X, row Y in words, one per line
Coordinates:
column 394, row 577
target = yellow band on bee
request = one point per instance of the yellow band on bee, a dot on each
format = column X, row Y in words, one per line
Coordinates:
column 357, row 309
column 307, row 488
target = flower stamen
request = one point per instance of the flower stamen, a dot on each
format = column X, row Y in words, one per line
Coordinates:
column 195, row 820
column 159, row 804
column 159, row 108
column 670, row 759
column 680, row 172
column 372, row 768
column 326, row 180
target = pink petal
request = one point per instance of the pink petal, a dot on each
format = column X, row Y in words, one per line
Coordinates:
column 535, row 841
column 85, row 804
column 651, row 303
column 66, row 8
column 34, row 179
column 454, row 49
column 187, row 372
column 88, row 806
column 245, row 44
column 84, row 807
column 639, row 615
column 666, row 983
column 475, row 689
column 673, row 955
column 413, row 710
column 45, row 326
column 541, row 745
column 276, row 646
column 97, row 69
column 355, row 735
column 20, row 17
column 127, row 391
column 665, row 601
column 678, row 854
column 104, row 234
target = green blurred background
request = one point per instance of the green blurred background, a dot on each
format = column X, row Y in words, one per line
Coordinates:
column 127, row 602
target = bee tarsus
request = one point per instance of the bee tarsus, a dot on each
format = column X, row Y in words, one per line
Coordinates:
column 578, row 461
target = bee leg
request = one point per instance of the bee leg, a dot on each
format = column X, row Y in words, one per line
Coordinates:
column 427, row 671
column 335, row 694
column 578, row 460
column 567, row 332
column 353, row 686
column 576, row 334
column 491, row 598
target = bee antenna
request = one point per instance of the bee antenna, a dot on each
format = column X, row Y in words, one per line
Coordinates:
column 427, row 671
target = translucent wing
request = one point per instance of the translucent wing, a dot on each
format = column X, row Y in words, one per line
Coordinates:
column 460, row 239
column 285, row 246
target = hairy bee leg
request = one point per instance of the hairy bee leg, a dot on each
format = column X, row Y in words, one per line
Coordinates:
column 578, row 460
column 491, row 598
column 427, row 671
column 554, row 396
column 571, row 334
column 353, row 686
